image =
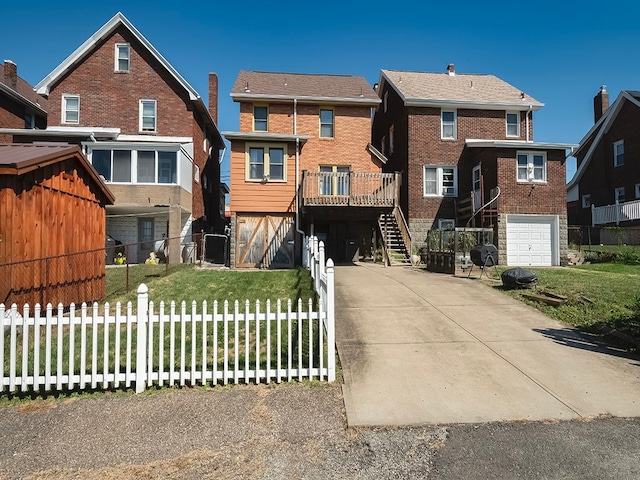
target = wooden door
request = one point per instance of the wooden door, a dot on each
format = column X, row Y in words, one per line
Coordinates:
column 265, row 241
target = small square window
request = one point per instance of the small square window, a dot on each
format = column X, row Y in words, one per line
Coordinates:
column 70, row 109
column 326, row 124
column 260, row 116
column 586, row 201
column 122, row 57
column 618, row 153
column 513, row 124
column 148, row 115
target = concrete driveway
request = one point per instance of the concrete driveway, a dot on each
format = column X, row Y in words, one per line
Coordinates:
column 424, row 348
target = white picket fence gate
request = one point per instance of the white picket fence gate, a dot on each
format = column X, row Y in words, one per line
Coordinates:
column 96, row 348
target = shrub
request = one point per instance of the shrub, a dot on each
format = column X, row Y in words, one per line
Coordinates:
column 628, row 256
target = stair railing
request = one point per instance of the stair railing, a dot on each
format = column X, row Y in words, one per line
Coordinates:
column 404, row 228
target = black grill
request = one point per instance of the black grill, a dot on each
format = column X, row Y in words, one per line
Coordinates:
column 484, row 254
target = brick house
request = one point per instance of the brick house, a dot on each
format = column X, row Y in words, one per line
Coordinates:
column 300, row 165
column 607, row 170
column 20, row 106
column 464, row 144
column 145, row 130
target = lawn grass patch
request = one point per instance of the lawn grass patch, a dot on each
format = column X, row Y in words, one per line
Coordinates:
column 598, row 295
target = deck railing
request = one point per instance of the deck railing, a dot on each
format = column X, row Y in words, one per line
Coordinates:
column 619, row 212
column 349, row 189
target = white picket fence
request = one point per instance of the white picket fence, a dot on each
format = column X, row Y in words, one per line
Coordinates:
column 97, row 348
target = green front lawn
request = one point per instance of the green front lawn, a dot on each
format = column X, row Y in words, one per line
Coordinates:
column 604, row 294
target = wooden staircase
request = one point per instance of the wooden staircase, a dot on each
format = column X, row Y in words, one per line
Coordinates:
column 398, row 252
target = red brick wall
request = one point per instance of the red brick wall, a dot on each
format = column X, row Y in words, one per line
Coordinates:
column 111, row 99
column 601, row 178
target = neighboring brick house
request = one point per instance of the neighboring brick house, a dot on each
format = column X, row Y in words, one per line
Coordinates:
column 608, row 170
column 146, row 131
column 301, row 164
column 20, row 106
column 460, row 140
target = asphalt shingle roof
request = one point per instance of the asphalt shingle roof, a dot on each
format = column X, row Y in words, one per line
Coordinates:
column 463, row 88
column 299, row 85
column 23, row 88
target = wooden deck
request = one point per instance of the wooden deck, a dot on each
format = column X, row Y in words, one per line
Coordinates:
column 350, row 189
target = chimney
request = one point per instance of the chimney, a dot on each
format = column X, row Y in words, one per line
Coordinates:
column 451, row 69
column 600, row 103
column 213, row 96
column 10, row 74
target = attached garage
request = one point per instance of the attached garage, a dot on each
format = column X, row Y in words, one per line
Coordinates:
column 532, row 240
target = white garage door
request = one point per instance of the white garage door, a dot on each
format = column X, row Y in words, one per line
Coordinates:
column 531, row 240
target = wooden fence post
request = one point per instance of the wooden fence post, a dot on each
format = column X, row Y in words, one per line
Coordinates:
column 331, row 324
column 141, row 340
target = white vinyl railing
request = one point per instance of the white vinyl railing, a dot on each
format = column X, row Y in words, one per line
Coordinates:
column 100, row 348
column 619, row 212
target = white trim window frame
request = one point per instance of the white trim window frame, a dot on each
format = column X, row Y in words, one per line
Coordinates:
column 448, row 124
column 266, row 162
column 586, row 200
column 122, row 58
column 618, row 153
column 531, row 167
column 148, row 115
column 136, row 166
column 512, row 120
column 327, row 119
column 440, row 180
column 619, row 195
column 71, row 109
column 261, row 121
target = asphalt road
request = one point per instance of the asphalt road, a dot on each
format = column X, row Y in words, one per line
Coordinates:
column 292, row 431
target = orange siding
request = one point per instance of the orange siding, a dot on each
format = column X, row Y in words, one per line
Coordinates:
column 261, row 197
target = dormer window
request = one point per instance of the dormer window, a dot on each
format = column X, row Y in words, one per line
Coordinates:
column 260, row 117
column 122, row 57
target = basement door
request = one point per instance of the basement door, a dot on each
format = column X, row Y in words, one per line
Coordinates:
column 264, row 241
column 532, row 240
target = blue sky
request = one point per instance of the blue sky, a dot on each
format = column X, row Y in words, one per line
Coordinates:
column 558, row 52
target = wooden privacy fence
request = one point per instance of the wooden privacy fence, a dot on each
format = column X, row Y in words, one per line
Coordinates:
column 85, row 348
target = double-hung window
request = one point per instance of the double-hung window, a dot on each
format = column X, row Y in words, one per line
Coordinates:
column 260, row 117
column 266, row 163
column 448, row 124
column 637, row 190
column 122, row 59
column 513, row 124
column 532, row 167
column 586, row 200
column 440, row 181
column 618, row 153
column 70, row 108
column 326, row 124
column 148, row 115
column 334, row 180
column 619, row 194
